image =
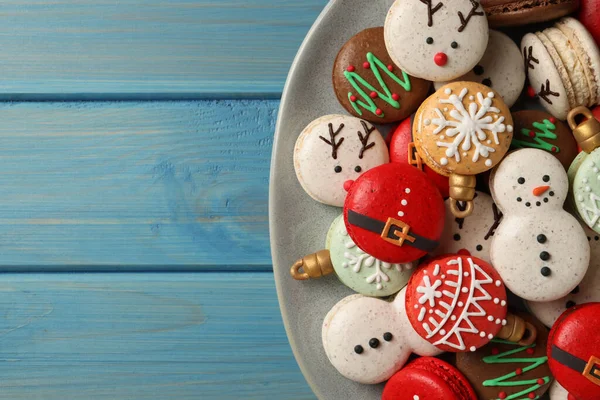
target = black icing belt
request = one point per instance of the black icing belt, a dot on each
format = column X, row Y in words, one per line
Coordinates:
column 393, row 231
column 590, row 369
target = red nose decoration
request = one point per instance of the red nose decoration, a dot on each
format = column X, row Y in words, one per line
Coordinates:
column 348, row 184
column 441, row 59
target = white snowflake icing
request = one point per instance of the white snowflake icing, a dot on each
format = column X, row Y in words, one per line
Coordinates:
column 429, row 291
column 468, row 127
column 591, row 209
column 357, row 259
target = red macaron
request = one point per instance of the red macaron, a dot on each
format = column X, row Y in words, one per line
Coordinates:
column 589, row 16
column 394, row 213
column 428, row 378
column 399, row 142
column 574, row 351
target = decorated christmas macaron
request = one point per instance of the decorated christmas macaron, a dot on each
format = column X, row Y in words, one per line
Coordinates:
column 462, row 130
column 500, row 68
column 367, row 339
column 563, row 66
column 540, row 130
column 539, row 249
column 428, row 378
column 502, row 13
column 588, row 16
column 506, row 370
column 457, row 303
column 332, row 151
column 437, row 40
column 587, row 291
column 574, row 351
column 394, row 213
column 369, row 85
column 473, row 235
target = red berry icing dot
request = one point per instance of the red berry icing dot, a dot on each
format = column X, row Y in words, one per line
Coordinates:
column 531, row 134
column 351, row 68
column 395, row 96
column 532, row 395
column 502, row 395
column 519, row 371
column 540, row 381
column 531, row 92
column 390, row 67
column 495, row 351
column 353, row 98
column 366, row 65
column 373, row 95
column 553, row 120
column 378, row 111
column 554, row 149
column 530, row 351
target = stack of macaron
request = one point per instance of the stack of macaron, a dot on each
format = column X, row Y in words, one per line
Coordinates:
column 473, row 228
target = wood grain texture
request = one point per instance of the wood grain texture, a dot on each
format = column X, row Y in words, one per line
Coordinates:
column 149, row 49
column 135, row 186
column 145, row 336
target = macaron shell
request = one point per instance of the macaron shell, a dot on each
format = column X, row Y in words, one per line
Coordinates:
column 502, row 13
column 501, row 68
column 428, row 378
column 557, row 392
column 575, row 332
column 559, row 65
column 544, row 76
column 360, row 271
column 586, row 189
column 588, row 15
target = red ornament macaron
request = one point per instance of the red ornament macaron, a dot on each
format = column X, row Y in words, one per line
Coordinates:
column 588, row 16
column 399, row 142
column 574, row 351
column 428, row 378
column 394, row 213
column 456, row 302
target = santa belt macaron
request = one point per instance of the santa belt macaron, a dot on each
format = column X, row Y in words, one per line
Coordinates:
column 590, row 369
column 392, row 231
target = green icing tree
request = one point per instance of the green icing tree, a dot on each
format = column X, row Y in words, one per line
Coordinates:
column 543, row 130
column 376, row 66
column 506, row 380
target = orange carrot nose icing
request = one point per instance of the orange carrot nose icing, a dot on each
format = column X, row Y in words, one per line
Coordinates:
column 540, row 190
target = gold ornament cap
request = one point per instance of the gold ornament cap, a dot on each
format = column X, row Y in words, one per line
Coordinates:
column 462, row 189
column 517, row 330
column 312, row 266
column 587, row 131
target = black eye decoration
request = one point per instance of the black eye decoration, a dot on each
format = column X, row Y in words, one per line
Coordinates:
column 358, row 349
column 387, row 337
column 358, row 168
column 337, row 169
column 429, row 40
column 487, row 82
column 479, row 247
column 570, row 304
column 521, row 180
column 374, row 343
column 454, row 45
column 545, row 271
column 546, row 178
column 456, row 237
column 519, row 199
column 541, row 238
column 478, row 70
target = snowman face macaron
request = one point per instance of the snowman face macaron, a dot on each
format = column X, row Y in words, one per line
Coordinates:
column 540, row 250
column 334, row 150
column 437, row 40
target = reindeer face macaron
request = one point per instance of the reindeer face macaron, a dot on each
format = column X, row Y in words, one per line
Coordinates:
column 437, row 40
column 334, row 150
column 540, row 250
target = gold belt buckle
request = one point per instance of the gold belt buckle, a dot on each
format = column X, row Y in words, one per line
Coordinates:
column 592, row 370
column 399, row 230
column 413, row 157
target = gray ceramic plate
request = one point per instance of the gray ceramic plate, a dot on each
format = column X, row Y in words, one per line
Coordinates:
column 299, row 224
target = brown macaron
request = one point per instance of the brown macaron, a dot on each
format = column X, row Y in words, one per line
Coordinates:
column 370, row 86
column 524, row 12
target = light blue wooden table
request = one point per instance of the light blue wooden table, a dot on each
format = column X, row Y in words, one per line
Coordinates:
column 134, row 160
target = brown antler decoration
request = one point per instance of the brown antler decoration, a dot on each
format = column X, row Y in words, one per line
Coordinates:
column 364, row 140
column 431, row 10
column 497, row 219
column 334, row 146
column 465, row 21
column 529, row 58
column 546, row 92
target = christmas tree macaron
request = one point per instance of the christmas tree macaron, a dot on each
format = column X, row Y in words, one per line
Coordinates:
column 505, row 370
column 540, row 130
column 370, row 86
column 462, row 130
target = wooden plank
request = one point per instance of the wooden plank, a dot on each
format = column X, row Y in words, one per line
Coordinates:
column 151, row 336
column 155, row 185
column 150, row 49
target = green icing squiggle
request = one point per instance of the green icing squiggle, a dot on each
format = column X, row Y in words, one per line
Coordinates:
column 544, row 130
column 367, row 103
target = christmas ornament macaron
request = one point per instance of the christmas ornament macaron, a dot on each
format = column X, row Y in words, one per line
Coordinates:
column 506, row 370
column 540, row 130
column 332, row 151
column 402, row 150
column 428, row 378
column 436, row 40
column 462, row 130
column 501, row 68
column 574, row 351
column 458, row 303
column 394, row 213
column 370, row 86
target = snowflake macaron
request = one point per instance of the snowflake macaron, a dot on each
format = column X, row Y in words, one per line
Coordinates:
column 394, row 213
column 457, row 303
column 464, row 129
column 437, row 40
